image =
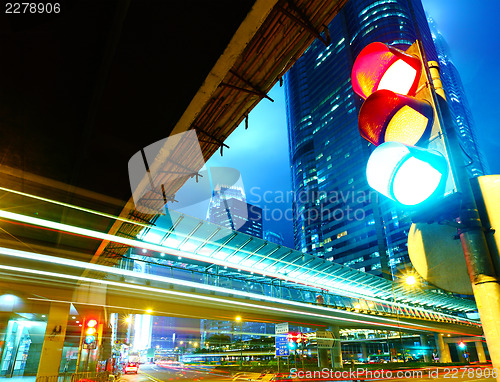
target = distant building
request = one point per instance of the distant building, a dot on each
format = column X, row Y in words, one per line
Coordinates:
column 228, row 208
column 273, row 237
column 233, row 329
column 172, row 332
column 459, row 105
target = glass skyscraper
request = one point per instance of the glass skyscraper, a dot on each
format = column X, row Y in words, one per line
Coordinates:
column 459, row 106
column 228, row 208
column 337, row 216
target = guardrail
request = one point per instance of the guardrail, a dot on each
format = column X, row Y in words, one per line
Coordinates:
column 76, row 377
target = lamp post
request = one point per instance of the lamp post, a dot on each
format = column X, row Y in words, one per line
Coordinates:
column 238, row 319
column 411, row 281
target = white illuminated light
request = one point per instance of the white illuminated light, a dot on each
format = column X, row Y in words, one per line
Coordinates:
column 415, row 181
column 395, row 172
column 398, row 78
column 381, row 164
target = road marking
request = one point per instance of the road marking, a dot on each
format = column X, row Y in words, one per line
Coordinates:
column 151, row 377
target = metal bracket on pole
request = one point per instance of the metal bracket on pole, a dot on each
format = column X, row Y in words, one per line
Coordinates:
column 304, row 21
column 213, row 138
column 254, row 89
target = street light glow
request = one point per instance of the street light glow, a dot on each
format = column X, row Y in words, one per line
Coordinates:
column 411, row 280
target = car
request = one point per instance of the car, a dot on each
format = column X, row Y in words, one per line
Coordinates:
column 131, row 367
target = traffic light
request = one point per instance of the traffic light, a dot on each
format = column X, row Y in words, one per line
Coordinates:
column 409, row 164
column 296, row 339
column 90, row 334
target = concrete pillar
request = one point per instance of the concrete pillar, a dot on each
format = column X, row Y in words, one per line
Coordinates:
column 364, row 351
column 4, row 322
column 442, row 348
column 323, row 358
column 425, row 345
column 336, row 351
column 53, row 342
column 480, row 352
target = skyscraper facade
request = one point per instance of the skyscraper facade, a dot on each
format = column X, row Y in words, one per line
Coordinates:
column 337, row 216
column 228, row 208
column 274, row 237
column 459, row 106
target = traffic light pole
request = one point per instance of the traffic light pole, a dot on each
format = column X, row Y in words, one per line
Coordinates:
column 399, row 325
column 484, row 278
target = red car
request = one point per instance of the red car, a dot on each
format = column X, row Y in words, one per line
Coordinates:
column 131, row 367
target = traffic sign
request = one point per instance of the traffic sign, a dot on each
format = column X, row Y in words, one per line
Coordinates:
column 281, row 328
column 282, row 348
column 325, row 339
column 432, row 248
column 281, row 339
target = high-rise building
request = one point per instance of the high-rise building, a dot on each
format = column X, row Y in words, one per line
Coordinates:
column 336, row 215
column 172, row 332
column 459, row 106
column 274, row 237
column 228, row 208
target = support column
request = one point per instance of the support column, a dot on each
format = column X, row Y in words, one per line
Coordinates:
column 364, row 352
column 53, row 342
column 4, row 322
column 323, row 358
column 425, row 344
column 336, row 351
column 442, row 348
column 480, row 351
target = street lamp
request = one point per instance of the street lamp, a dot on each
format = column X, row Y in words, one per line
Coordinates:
column 399, row 325
column 409, row 280
column 238, row 319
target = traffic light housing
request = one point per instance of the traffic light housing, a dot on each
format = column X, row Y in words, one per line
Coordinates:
column 379, row 66
column 90, row 336
column 296, row 339
column 409, row 164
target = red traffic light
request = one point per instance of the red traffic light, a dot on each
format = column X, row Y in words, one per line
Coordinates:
column 390, row 117
column 379, row 66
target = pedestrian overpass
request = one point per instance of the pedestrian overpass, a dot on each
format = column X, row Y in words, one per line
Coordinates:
column 189, row 267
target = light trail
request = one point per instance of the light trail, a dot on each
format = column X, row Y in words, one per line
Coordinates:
column 331, row 285
column 166, row 280
column 159, row 248
column 165, row 231
column 217, row 300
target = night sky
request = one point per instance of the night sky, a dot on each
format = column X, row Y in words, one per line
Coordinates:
column 261, row 152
